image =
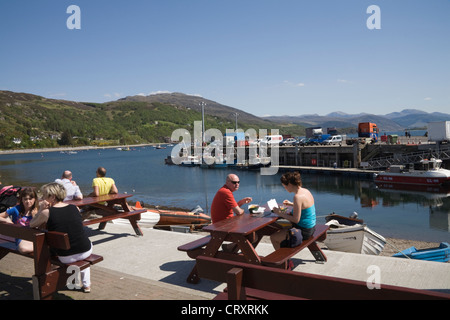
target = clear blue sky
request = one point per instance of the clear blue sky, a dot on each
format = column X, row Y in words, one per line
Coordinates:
column 284, row 57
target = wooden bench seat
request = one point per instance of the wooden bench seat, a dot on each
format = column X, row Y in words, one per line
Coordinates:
column 250, row 281
column 50, row 274
column 279, row 258
column 194, row 248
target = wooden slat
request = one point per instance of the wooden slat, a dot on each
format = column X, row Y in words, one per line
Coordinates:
column 93, row 200
column 19, row 232
column 280, row 256
column 195, row 244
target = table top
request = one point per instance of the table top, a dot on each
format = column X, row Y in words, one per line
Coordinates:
column 243, row 224
column 91, row 200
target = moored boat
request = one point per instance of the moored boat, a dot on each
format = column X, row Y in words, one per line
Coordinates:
column 191, row 161
column 148, row 220
column 432, row 174
column 439, row 254
column 174, row 217
column 354, row 238
column 349, row 221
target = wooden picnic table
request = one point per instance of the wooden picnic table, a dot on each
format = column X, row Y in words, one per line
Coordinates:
column 108, row 207
column 246, row 231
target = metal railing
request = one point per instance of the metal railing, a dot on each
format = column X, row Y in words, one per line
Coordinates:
column 442, row 153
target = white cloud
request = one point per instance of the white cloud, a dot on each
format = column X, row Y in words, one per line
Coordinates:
column 293, row 84
column 343, row 81
column 427, row 99
column 158, row 92
column 112, row 95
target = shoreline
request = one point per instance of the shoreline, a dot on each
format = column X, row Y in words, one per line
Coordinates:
column 393, row 245
column 82, row 148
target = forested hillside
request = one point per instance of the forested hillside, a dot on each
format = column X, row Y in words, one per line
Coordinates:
column 30, row 121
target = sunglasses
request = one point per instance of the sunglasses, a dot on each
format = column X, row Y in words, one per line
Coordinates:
column 235, row 182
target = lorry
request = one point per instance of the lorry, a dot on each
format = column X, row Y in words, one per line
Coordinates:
column 367, row 133
column 318, row 139
column 439, row 131
column 313, row 132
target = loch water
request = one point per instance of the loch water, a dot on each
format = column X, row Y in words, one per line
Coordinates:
column 410, row 214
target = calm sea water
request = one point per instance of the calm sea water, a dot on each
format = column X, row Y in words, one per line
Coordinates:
column 392, row 213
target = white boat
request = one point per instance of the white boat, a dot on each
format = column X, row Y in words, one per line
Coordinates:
column 357, row 238
column 148, row 220
column 191, row 161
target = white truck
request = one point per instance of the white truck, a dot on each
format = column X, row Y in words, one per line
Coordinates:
column 439, row 131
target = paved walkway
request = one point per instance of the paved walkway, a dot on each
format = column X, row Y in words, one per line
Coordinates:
column 151, row 268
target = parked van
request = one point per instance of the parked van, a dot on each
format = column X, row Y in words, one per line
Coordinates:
column 273, row 139
column 333, row 140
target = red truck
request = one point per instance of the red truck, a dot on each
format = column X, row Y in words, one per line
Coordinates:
column 367, row 133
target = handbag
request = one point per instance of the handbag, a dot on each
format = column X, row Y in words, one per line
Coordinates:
column 293, row 238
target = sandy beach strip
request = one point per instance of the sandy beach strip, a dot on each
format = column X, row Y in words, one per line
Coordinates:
column 82, row 148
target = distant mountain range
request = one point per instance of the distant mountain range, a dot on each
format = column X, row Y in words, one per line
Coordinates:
column 395, row 121
column 405, row 119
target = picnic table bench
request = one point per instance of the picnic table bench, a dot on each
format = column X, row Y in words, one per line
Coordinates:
column 247, row 281
column 247, row 231
column 106, row 206
column 280, row 257
column 50, row 274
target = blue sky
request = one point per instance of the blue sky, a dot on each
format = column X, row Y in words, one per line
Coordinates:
column 284, row 57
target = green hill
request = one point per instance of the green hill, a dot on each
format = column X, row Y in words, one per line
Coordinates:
column 31, row 121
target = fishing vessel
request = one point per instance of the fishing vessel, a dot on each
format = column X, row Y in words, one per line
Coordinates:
column 432, row 174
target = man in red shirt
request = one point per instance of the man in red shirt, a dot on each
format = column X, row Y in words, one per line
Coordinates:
column 224, row 205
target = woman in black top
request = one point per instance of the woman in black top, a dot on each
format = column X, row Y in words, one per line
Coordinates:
column 66, row 218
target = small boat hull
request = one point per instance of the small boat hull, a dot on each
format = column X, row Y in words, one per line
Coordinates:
column 170, row 218
column 357, row 238
column 439, row 254
column 343, row 220
column 148, row 220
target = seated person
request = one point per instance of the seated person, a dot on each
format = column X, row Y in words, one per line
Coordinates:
column 72, row 189
column 103, row 185
column 224, row 206
column 22, row 214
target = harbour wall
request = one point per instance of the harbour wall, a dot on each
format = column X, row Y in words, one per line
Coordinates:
column 356, row 155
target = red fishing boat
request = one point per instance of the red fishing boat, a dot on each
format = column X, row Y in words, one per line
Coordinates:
column 432, row 174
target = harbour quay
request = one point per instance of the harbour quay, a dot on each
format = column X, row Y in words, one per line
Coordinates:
column 357, row 158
